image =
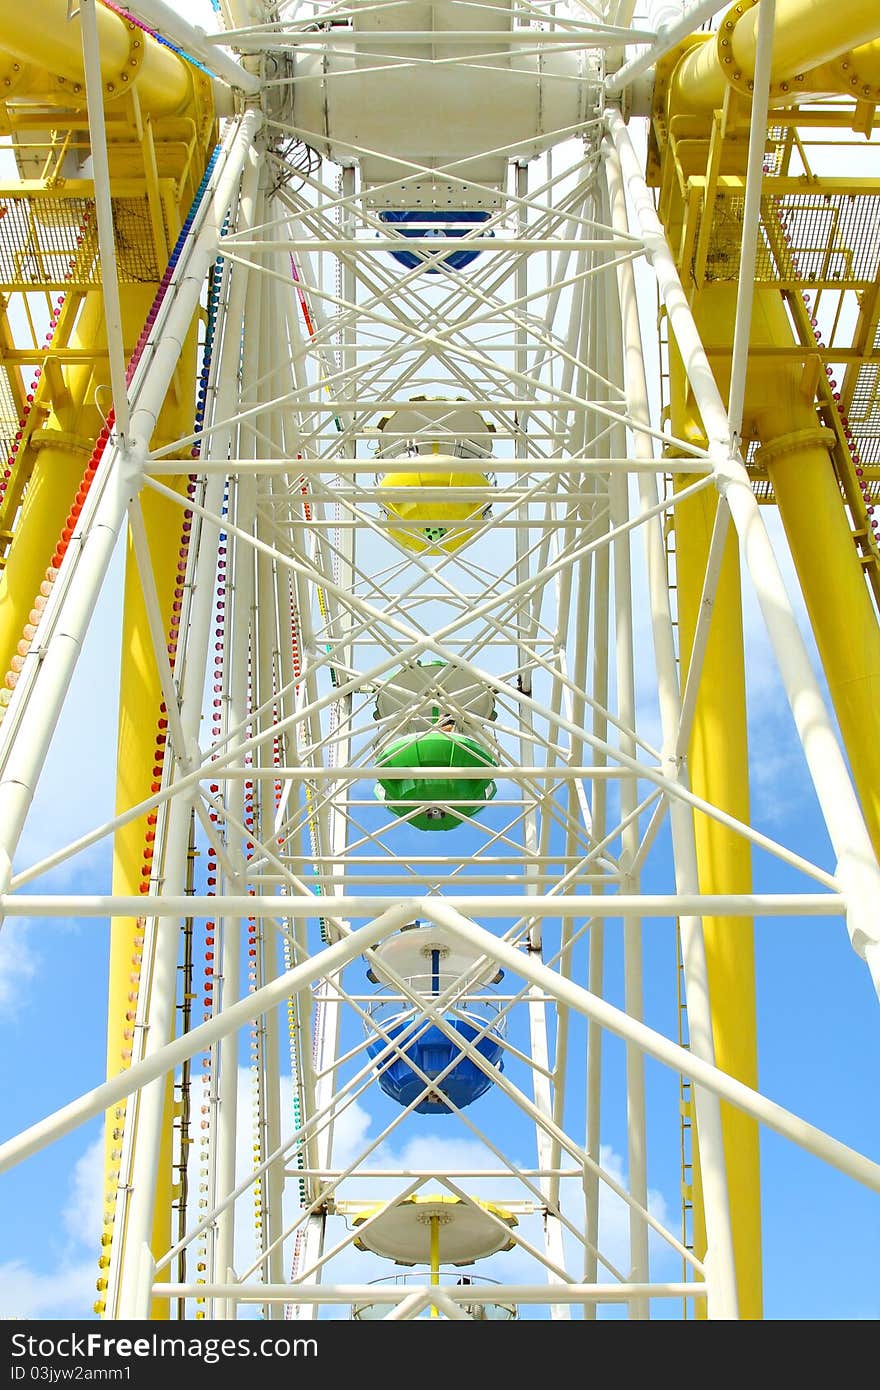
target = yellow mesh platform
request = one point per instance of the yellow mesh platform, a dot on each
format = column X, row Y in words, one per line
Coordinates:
column 8, row 414
column 806, row 240
column 51, row 242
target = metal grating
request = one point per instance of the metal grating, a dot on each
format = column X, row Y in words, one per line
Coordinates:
column 51, row 242
column 821, row 239
column 763, row 488
column 8, row 413
column 864, row 412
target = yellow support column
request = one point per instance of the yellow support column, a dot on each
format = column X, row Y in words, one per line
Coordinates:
column 841, row 613
column 62, row 451
column 141, row 743
column 780, row 411
column 718, row 771
column 795, row 451
column 138, row 749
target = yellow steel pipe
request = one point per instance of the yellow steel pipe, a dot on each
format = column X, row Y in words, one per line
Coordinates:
column 141, row 739
column 435, row 1259
column 41, row 49
column 44, row 35
column 809, row 36
column 718, row 771
column 780, row 412
column 795, row 450
column 62, row 450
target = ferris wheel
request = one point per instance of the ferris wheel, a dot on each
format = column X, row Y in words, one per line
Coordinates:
column 437, row 369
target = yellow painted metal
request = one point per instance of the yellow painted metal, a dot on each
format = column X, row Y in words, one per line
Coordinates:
column 161, row 127
column 718, row 771
column 811, row 42
column 43, row 35
column 435, row 1258
column 61, row 451
column 139, row 713
column 841, row 613
column 697, row 152
column 795, row 451
column 434, row 525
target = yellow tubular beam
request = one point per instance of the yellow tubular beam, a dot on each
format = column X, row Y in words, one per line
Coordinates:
column 839, row 606
column 718, row 771
column 63, row 448
column 796, row 454
column 139, row 713
column 140, row 698
column 44, row 46
column 435, row 1257
column 781, row 413
column 808, row 36
column 44, row 35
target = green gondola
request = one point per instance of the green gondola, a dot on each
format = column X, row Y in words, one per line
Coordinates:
column 443, row 800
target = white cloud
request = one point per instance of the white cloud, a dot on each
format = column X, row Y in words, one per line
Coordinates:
column 66, row 1289
column 614, row 1217
column 18, row 965
column 82, row 1216
column 63, row 1293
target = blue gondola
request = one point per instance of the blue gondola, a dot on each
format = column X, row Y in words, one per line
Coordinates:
column 435, row 224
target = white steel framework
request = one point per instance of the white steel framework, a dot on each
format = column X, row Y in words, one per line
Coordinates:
column 409, row 463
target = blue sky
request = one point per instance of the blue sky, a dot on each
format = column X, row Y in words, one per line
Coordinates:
column 817, row 1040
column 818, row 1036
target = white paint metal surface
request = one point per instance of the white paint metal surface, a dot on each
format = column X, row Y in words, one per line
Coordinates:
column 550, row 634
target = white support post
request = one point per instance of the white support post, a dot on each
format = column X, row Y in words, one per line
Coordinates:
column 225, row 1024
column 722, row 1270
column 751, row 219
column 104, row 217
column 626, row 709
column 857, row 869
column 48, row 669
